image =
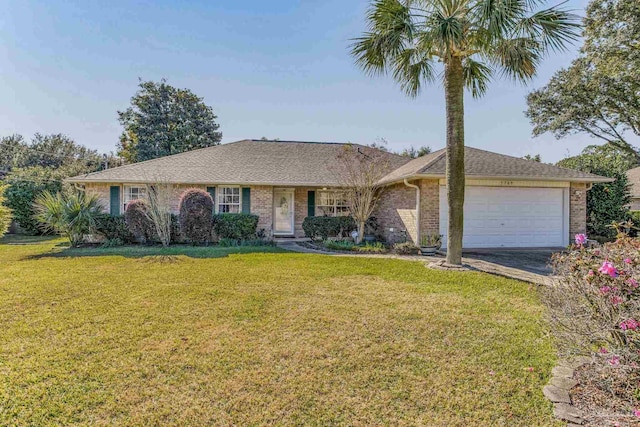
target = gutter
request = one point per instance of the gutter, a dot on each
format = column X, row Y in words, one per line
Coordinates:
column 406, row 182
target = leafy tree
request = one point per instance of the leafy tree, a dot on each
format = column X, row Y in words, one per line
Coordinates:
column 473, row 39
column 535, row 157
column 414, row 153
column 163, row 120
column 606, row 202
column 24, row 186
column 72, row 214
column 11, row 148
column 599, row 94
column 5, row 213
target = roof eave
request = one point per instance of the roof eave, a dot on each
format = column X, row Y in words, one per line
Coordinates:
column 502, row 177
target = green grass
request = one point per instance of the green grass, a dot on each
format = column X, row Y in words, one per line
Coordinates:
column 263, row 338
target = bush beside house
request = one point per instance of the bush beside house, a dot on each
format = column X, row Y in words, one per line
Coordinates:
column 323, row 227
column 5, row 213
column 137, row 219
column 237, row 226
column 196, row 215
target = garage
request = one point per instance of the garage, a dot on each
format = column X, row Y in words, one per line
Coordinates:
column 511, row 217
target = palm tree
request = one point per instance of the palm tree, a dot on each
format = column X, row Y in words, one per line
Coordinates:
column 473, row 39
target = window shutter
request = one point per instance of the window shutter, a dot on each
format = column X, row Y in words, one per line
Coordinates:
column 212, row 192
column 114, row 200
column 246, row 200
column 311, row 203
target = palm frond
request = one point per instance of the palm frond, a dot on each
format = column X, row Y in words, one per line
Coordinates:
column 517, row 58
column 476, row 76
column 412, row 67
column 554, row 28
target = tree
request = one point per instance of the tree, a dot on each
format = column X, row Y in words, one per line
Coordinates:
column 159, row 199
column 359, row 170
column 473, row 39
column 414, row 153
column 599, row 93
column 5, row 213
column 163, row 120
column 534, row 157
column 606, row 202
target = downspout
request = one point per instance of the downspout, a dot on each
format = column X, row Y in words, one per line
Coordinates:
column 406, row 182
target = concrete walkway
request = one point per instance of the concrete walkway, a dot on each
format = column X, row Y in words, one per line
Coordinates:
column 471, row 263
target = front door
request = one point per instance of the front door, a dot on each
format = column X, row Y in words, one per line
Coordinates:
column 283, row 212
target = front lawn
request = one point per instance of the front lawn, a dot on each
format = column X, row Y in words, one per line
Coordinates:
column 264, row 338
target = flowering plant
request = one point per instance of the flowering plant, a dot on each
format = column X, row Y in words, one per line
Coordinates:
column 594, row 302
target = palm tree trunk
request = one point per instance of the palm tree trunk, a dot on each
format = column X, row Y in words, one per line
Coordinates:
column 454, row 94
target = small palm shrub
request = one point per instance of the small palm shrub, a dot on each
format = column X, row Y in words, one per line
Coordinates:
column 196, row 215
column 72, row 213
column 138, row 221
column 405, row 248
column 5, row 213
column 594, row 306
column 235, row 226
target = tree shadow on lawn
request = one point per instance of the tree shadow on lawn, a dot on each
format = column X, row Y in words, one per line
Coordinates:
column 21, row 239
column 155, row 252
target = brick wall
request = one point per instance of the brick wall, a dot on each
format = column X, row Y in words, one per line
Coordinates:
column 577, row 209
column 262, row 205
column 429, row 206
column 103, row 193
column 396, row 213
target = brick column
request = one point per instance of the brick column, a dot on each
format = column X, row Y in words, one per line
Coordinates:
column 429, row 206
column 577, row 209
column 262, row 205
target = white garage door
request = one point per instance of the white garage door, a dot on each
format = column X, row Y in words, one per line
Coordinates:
column 510, row 217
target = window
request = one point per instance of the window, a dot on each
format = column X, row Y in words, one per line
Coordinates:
column 332, row 203
column 132, row 193
column 229, row 200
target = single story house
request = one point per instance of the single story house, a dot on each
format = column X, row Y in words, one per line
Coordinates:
column 633, row 176
column 509, row 202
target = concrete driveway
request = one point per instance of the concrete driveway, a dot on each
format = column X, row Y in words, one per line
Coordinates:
column 533, row 260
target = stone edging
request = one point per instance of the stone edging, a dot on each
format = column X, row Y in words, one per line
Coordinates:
column 557, row 391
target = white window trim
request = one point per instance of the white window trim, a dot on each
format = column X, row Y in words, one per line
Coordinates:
column 124, row 189
column 335, row 205
column 219, row 193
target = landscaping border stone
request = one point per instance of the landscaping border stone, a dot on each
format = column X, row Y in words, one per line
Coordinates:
column 558, row 388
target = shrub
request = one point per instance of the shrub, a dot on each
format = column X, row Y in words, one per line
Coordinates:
column 114, row 229
column 235, row 226
column 595, row 308
column 196, row 215
column 72, row 214
column 376, row 247
column 323, row 227
column 24, row 186
column 5, row 213
column 338, row 245
column 405, row 248
column 137, row 218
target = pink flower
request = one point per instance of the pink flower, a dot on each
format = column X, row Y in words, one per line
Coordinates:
column 630, row 324
column 605, row 290
column 581, row 239
column 614, row 361
column 615, row 300
column 636, row 412
column 529, row 368
column 633, row 283
column 603, row 350
column 590, row 273
column 627, row 260
column 596, row 252
column 608, row 268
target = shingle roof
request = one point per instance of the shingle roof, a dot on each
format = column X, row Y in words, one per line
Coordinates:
column 280, row 163
column 485, row 164
column 293, row 163
column 633, row 175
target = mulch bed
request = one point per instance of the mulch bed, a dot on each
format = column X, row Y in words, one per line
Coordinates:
column 600, row 407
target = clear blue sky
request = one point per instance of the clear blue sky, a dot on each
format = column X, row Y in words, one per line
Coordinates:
column 279, row 69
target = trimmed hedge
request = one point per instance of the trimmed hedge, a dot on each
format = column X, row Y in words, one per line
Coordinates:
column 236, row 226
column 323, row 227
column 114, row 229
column 196, row 215
column 138, row 222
